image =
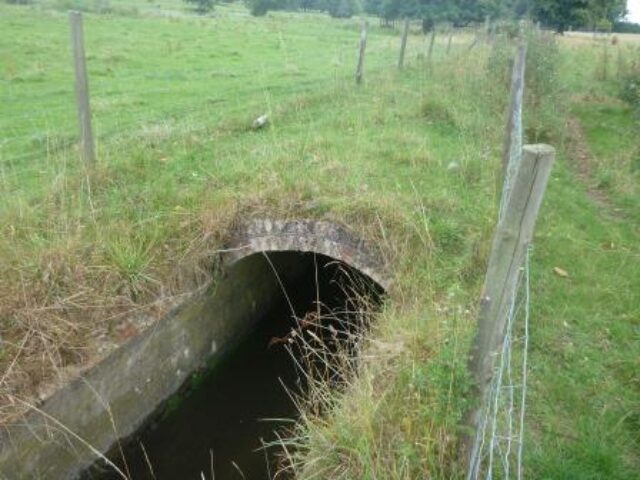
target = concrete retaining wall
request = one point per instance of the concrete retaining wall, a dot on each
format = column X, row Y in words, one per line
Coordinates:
column 114, row 398
column 135, row 379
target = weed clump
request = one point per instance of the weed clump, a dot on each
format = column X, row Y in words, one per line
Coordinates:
column 629, row 90
column 543, row 93
column 437, row 112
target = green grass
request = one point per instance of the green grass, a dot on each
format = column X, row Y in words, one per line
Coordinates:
column 173, row 100
column 585, row 352
column 611, row 129
column 150, row 76
column 586, row 355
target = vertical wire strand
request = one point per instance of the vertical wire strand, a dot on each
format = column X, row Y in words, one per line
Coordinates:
column 527, row 310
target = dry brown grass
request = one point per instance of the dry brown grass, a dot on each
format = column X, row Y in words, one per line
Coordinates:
column 67, row 311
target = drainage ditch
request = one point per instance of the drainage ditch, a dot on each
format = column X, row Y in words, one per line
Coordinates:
column 225, row 422
column 209, row 378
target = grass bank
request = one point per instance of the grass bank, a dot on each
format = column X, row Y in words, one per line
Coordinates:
column 409, row 161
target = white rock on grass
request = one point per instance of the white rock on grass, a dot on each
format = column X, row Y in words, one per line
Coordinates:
column 453, row 167
column 260, row 122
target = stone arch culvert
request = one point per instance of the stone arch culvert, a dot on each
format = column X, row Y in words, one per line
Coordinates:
column 224, row 346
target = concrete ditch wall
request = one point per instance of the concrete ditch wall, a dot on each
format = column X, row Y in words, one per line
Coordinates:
column 114, row 398
column 136, row 378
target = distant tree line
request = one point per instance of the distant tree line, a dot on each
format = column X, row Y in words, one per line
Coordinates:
column 626, row 27
column 335, row 8
column 557, row 14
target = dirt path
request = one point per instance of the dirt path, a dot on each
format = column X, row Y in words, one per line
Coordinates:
column 581, row 159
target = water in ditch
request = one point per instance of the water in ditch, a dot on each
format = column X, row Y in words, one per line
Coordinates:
column 219, row 427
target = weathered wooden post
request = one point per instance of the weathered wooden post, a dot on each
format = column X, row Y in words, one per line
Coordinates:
column 511, row 239
column 82, row 88
column 403, row 45
column 450, row 40
column 432, row 42
column 513, row 138
column 476, row 39
column 621, row 63
column 363, row 48
column 605, row 59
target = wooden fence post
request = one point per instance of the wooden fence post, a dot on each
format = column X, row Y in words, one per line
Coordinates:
column 605, row 60
column 450, row 40
column 513, row 138
column 431, row 44
column 403, row 46
column 363, row 48
column 511, row 239
column 475, row 41
column 82, row 88
column 621, row 63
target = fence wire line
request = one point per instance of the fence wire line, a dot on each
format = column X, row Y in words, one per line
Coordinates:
column 33, row 129
column 502, row 421
column 515, row 123
column 493, row 454
column 26, row 134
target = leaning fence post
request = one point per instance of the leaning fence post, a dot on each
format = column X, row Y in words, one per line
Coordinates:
column 511, row 239
column 82, row 88
column 431, row 44
column 487, row 26
column 450, row 40
column 403, row 46
column 621, row 63
column 363, row 48
column 512, row 149
column 605, row 60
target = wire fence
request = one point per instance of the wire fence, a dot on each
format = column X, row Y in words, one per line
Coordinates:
column 125, row 97
column 499, row 437
column 133, row 88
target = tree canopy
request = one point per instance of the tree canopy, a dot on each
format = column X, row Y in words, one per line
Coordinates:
column 202, row 6
column 558, row 14
column 459, row 12
column 592, row 14
column 335, row 8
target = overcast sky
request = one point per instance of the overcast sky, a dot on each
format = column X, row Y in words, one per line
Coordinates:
column 634, row 10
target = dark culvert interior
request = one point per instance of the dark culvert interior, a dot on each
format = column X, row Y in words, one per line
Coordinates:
column 220, row 422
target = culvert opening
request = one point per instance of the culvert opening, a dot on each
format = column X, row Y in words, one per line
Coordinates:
column 226, row 419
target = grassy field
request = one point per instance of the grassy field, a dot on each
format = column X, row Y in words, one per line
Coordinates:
column 409, row 161
column 587, row 398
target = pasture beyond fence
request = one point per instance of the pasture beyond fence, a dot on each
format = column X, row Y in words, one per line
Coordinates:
column 113, row 104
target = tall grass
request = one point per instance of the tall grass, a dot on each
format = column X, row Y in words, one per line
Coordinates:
column 408, row 161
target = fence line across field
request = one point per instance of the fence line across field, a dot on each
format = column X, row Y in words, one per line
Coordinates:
column 83, row 100
column 86, row 128
column 493, row 442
